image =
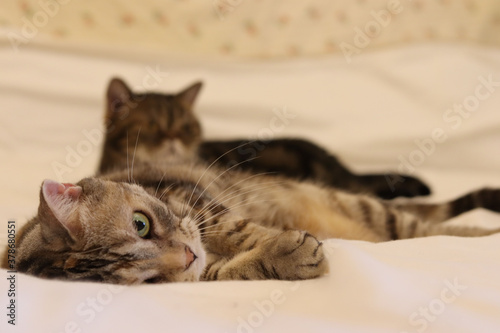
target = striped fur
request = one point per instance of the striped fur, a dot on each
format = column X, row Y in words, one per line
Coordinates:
column 164, row 123
column 153, row 125
column 302, row 160
column 237, row 225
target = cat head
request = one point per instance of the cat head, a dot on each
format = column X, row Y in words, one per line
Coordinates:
column 149, row 126
column 98, row 230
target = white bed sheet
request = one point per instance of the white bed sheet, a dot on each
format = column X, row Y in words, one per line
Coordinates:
column 369, row 112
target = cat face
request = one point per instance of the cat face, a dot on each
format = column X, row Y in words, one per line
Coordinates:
column 111, row 232
column 150, row 125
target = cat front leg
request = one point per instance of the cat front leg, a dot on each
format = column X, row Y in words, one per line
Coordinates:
column 290, row 255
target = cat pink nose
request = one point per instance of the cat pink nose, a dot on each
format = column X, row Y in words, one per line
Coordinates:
column 190, row 256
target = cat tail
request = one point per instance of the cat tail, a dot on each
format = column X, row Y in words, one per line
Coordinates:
column 399, row 220
column 432, row 215
column 484, row 198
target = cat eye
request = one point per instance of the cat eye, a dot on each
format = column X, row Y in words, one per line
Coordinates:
column 141, row 223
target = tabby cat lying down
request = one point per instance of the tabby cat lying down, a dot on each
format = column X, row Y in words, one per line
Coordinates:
column 184, row 221
column 159, row 125
column 177, row 219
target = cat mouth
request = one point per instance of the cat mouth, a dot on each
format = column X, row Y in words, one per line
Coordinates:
column 190, row 257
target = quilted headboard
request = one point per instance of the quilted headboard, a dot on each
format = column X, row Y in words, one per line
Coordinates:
column 250, row 28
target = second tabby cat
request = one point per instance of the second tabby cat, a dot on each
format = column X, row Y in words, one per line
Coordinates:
column 154, row 125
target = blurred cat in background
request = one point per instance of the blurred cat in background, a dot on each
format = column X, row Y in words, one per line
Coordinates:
column 161, row 125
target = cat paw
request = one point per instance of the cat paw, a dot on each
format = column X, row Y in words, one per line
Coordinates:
column 294, row 255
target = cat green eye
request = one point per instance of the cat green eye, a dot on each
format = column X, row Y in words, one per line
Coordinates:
column 141, row 223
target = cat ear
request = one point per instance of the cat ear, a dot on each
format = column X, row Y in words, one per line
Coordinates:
column 117, row 95
column 188, row 95
column 61, row 202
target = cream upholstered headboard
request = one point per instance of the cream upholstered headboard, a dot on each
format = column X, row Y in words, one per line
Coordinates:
column 250, row 28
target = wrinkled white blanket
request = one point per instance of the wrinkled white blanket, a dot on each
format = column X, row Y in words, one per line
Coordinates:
column 430, row 110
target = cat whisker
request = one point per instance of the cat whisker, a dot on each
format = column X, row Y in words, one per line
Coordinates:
column 92, row 250
column 216, row 200
column 212, row 233
column 225, row 222
column 229, row 197
column 186, row 203
column 133, row 156
column 159, row 183
column 212, row 164
column 213, row 180
column 215, row 232
column 128, row 168
column 166, row 191
column 241, row 204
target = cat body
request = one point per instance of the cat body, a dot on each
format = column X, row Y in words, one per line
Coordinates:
column 303, row 160
column 157, row 126
column 187, row 221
